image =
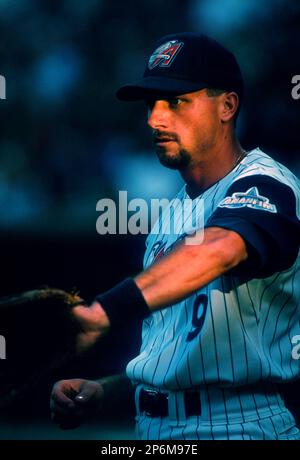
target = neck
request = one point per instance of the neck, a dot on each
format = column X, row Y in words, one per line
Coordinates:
column 212, row 167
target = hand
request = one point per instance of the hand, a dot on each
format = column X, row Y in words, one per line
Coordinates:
column 72, row 399
column 93, row 323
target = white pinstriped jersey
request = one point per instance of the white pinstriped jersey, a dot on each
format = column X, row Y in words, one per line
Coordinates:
column 239, row 328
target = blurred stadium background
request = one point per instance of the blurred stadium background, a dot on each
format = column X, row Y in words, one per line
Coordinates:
column 66, row 142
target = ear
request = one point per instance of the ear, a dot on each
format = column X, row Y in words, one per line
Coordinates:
column 228, row 106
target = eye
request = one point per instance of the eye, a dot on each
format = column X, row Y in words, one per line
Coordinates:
column 174, row 102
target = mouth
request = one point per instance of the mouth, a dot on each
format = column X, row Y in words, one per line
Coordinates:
column 163, row 140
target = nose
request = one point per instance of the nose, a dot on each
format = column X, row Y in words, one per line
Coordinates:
column 157, row 115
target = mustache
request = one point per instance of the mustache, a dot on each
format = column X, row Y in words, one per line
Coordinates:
column 159, row 135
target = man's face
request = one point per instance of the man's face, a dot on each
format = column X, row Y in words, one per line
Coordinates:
column 185, row 128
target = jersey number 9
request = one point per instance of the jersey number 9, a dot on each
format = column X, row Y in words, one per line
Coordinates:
column 199, row 312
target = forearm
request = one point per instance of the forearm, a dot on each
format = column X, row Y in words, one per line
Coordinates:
column 186, row 269
column 190, row 267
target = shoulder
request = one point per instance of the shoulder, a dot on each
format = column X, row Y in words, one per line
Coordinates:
column 268, row 175
column 262, row 204
column 258, row 163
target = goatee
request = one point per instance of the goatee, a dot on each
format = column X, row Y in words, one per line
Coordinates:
column 179, row 161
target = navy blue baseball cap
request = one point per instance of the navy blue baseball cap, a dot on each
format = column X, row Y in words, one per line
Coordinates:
column 185, row 62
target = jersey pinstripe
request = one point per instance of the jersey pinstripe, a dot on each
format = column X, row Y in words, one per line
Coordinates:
column 231, row 332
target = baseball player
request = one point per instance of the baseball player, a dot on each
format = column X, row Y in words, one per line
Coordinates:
column 220, row 313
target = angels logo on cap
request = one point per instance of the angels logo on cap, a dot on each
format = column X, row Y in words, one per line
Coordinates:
column 164, row 55
column 185, row 62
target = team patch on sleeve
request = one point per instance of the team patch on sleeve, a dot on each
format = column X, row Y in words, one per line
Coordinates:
column 250, row 199
column 273, row 237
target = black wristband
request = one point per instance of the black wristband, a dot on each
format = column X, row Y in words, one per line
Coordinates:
column 123, row 303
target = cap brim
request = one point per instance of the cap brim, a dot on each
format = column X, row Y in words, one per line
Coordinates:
column 156, row 85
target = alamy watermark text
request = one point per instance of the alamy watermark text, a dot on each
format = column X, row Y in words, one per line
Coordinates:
column 296, row 88
column 2, row 87
column 160, row 216
column 2, row 347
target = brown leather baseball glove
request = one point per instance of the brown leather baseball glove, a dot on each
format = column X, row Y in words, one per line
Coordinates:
column 39, row 333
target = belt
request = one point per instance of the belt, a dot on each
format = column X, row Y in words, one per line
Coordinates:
column 155, row 404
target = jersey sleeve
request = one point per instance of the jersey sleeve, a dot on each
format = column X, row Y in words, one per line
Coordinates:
column 263, row 211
